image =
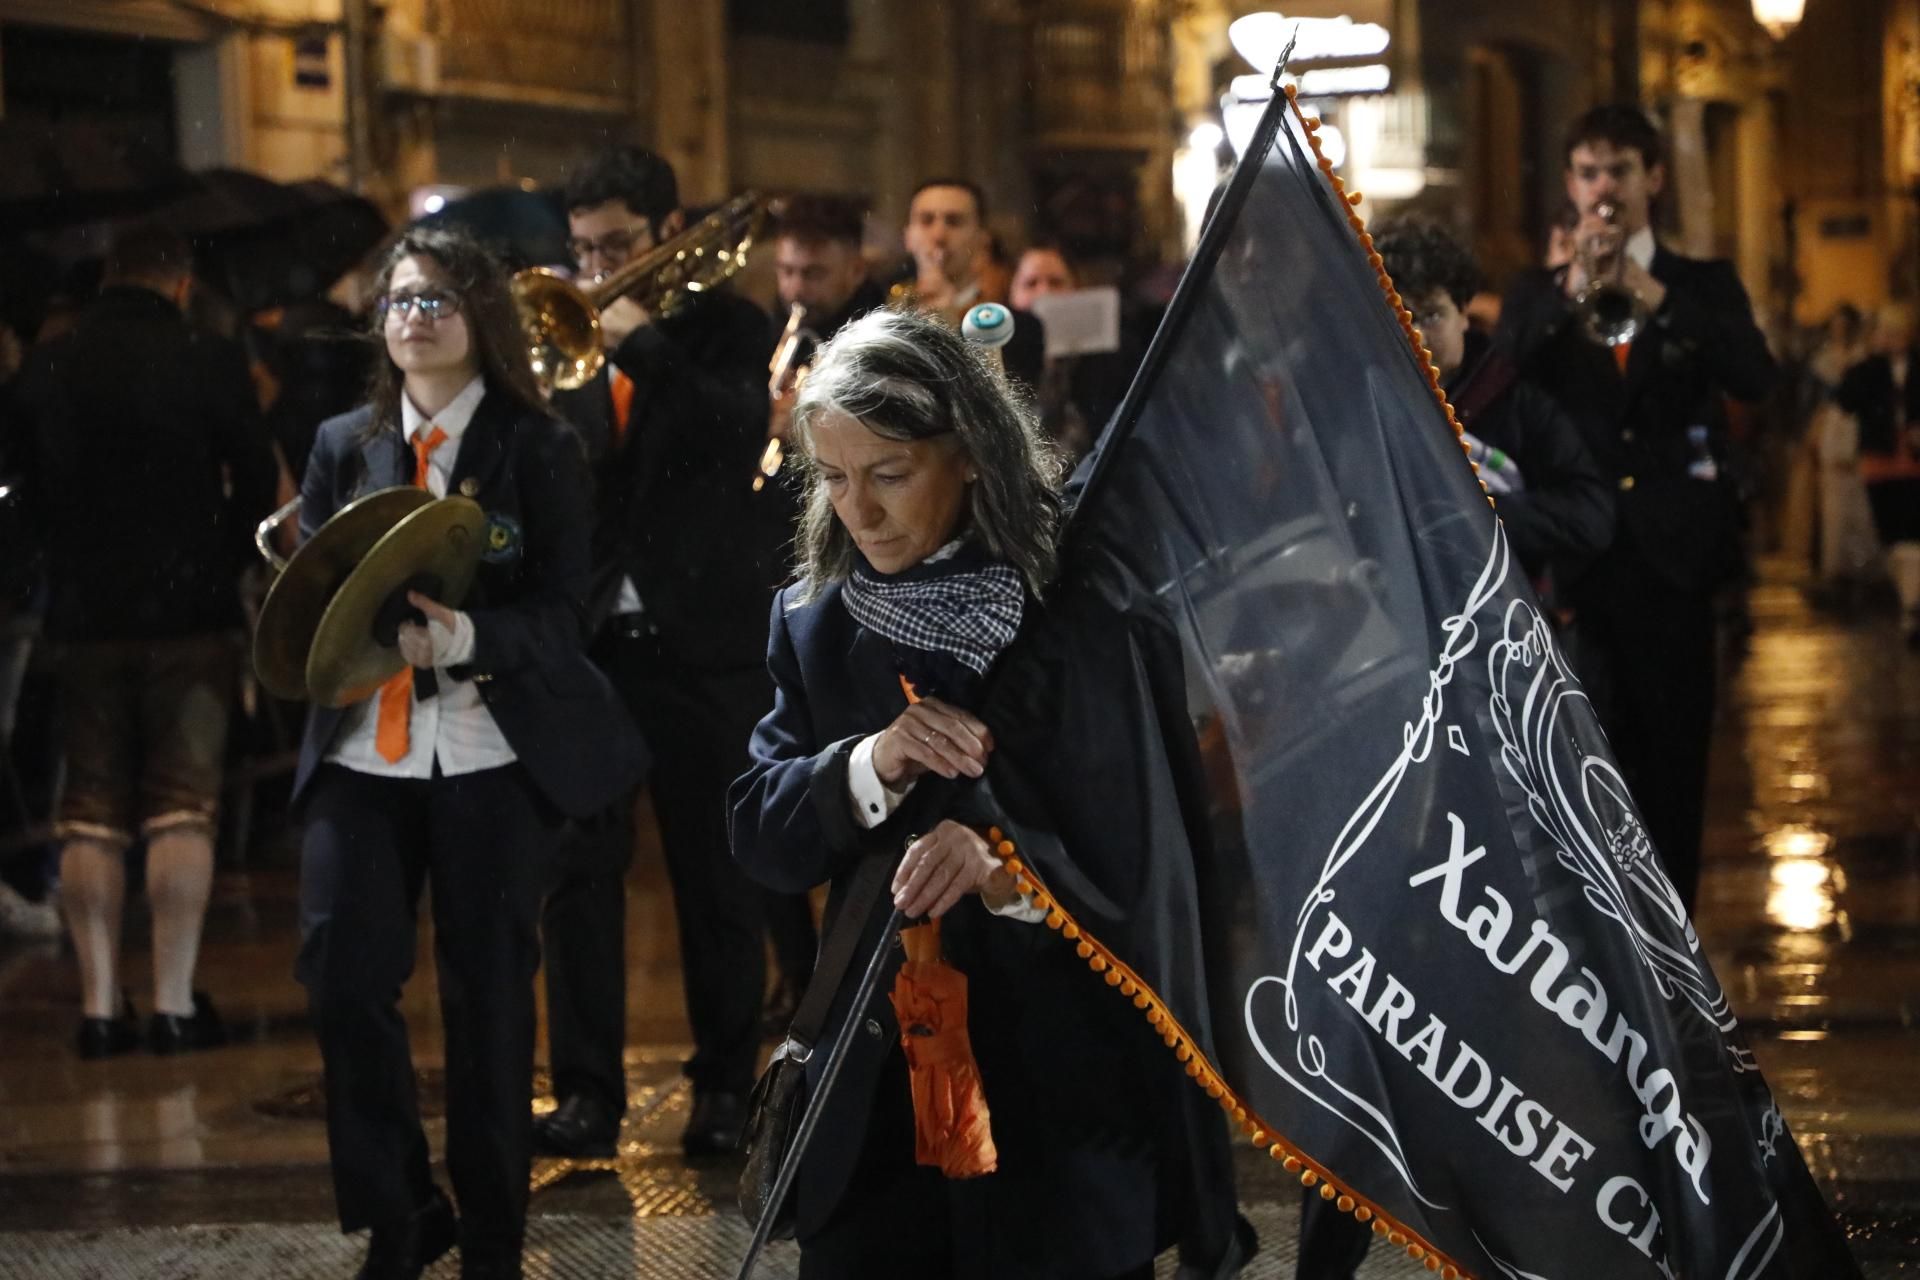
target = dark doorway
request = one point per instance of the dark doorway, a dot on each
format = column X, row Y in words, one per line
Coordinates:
column 122, row 86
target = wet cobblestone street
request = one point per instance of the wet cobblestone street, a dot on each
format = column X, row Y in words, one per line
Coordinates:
column 214, row 1164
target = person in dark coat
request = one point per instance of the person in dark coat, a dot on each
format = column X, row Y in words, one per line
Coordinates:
column 456, row 775
column 1652, row 413
column 1551, row 496
column 146, row 467
column 1882, row 391
column 927, row 545
column 686, row 556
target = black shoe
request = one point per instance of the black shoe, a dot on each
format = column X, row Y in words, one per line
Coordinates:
column 402, row 1250
column 169, row 1033
column 718, row 1123
column 580, row 1128
column 107, row 1037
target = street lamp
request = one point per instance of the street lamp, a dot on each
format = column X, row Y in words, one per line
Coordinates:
column 1779, row 17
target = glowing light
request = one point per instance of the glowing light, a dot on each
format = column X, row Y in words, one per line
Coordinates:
column 1797, row 842
column 1800, row 894
column 1779, row 17
column 1242, row 119
column 1196, row 172
column 1333, row 144
column 1261, row 38
column 433, row 203
column 1328, row 82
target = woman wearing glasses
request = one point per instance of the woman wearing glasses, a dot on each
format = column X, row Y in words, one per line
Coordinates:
column 459, row 782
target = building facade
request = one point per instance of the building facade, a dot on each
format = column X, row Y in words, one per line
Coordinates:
column 1798, row 158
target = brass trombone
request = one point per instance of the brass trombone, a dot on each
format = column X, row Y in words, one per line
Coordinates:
column 562, row 319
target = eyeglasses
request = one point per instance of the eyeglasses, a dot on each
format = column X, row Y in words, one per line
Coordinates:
column 614, row 245
column 430, row 304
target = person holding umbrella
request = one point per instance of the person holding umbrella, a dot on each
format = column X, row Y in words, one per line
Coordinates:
column 927, row 543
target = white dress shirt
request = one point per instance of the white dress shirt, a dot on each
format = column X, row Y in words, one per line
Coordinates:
column 1640, row 248
column 453, row 728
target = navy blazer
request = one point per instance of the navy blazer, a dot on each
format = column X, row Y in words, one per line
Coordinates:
column 1069, row 1141
column 558, row 713
column 1701, row 346
column 676, row 508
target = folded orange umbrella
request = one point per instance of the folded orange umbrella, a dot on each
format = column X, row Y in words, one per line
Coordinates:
column 952, row 1127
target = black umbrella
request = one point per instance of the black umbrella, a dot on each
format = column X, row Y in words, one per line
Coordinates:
column 56, row 173
column 267, row 243
column 527, row 228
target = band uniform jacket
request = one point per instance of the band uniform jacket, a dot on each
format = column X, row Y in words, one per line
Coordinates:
column 677, row 510
column 558, row 713
column 1702, row 345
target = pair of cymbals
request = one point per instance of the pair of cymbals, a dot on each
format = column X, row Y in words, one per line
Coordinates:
column 322, row 635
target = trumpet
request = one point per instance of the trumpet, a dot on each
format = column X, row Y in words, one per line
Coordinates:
column 562, row 319
column 1609, row 312
column 785, row 373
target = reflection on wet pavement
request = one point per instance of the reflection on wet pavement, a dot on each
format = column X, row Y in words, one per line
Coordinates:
column 215, row 1164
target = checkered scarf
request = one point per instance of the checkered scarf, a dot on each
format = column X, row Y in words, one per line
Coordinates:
column 962, row 605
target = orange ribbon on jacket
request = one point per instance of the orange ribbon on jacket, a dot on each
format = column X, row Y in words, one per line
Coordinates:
column 952, row 1128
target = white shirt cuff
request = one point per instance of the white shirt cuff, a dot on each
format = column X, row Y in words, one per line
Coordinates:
column 1020, row 909
column 873, row 801
column 453, row 648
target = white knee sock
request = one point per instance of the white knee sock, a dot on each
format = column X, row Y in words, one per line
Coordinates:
column 1903, row 562
column 93, row 889
column 179, row 881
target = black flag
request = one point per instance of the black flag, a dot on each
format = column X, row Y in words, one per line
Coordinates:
column 1419, row 946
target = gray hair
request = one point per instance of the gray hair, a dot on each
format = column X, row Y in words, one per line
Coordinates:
column 906, row 376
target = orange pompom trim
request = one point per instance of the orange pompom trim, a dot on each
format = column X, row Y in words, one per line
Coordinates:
column 1118, row 975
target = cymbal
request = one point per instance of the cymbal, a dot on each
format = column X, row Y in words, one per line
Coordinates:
column 436, row 549
column 299, row 596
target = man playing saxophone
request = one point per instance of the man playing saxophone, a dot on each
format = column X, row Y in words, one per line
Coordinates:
column 686, row 556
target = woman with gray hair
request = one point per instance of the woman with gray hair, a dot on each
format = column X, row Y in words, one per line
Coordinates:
column 928, row 542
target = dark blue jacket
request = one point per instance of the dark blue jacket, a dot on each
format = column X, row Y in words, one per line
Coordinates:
column 1090, row 1111
column 1700, row 348
column 557, row 711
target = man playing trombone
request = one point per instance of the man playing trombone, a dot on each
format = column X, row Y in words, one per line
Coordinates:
column 686, row 555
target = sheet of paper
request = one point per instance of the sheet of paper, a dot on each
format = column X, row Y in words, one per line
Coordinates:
column 1081, row 322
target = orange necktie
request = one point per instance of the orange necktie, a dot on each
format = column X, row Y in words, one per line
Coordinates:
column 396, row 695
column 620, row 386
column 1620, row 354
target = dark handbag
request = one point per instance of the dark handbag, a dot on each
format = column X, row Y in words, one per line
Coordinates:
column 779, row 1098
